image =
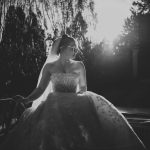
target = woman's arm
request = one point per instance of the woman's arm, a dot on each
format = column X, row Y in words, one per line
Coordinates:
column 82, row 79
column 38, row 91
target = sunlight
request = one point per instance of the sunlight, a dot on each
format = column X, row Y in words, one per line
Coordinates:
column 111, row 15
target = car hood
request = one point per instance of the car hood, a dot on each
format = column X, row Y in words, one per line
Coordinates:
column 136, row 116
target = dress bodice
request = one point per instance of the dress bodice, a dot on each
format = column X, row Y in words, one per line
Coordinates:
column 64, row 82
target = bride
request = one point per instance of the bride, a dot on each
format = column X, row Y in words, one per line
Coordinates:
column 65, row 116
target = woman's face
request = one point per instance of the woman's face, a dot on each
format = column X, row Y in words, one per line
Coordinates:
column 69, row 51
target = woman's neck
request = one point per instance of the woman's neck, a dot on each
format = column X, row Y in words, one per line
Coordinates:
column 64, row 60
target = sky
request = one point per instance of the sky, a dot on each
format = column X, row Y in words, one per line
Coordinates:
column 111, row 15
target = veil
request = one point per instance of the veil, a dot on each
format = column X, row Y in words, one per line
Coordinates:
column 52, row 56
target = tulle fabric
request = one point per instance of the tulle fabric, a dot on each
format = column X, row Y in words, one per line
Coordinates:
column 70, row 121
column 53, row 56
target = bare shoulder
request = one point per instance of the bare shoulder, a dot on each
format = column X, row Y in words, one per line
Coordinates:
column 81, row 66
column 49, row 67
column 78, row 64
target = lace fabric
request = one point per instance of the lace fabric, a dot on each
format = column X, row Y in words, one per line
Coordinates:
column 70, row 121
column 60, row 82
column 64, row 82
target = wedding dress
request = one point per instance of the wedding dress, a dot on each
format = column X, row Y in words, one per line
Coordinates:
column 67, row 120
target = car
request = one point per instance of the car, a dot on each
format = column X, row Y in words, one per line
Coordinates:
column 139, row 119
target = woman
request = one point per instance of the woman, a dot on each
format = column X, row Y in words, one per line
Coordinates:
column 69, row 117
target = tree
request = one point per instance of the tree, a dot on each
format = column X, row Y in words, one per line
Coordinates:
column 22, row 49
column 23, row 28
column 52, row 14
column 137, row 33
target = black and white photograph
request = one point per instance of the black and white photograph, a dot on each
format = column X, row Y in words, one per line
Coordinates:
column 74, row 74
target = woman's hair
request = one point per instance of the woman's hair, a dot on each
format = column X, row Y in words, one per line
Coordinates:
column 66, row 41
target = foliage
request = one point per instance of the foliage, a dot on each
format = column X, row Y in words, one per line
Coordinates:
column 142, row 6
column 22, row 34
column 54, row 14
column 22, row 48
column 136, row 28
column 135, row 38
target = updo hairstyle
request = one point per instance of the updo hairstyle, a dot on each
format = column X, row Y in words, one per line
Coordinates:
column 66, row 41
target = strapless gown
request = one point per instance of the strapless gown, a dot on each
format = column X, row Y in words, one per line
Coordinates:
column 66, row 120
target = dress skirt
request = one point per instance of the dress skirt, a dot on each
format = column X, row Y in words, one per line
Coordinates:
column 70, row 121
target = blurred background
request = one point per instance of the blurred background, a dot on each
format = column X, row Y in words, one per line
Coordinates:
column 113, row 38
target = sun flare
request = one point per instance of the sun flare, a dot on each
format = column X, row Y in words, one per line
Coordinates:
column 110, row 16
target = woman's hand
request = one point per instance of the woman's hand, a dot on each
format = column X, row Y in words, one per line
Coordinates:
column 19, row 99
column 81, row 92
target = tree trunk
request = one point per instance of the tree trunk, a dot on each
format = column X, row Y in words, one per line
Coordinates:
column 135, row 53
